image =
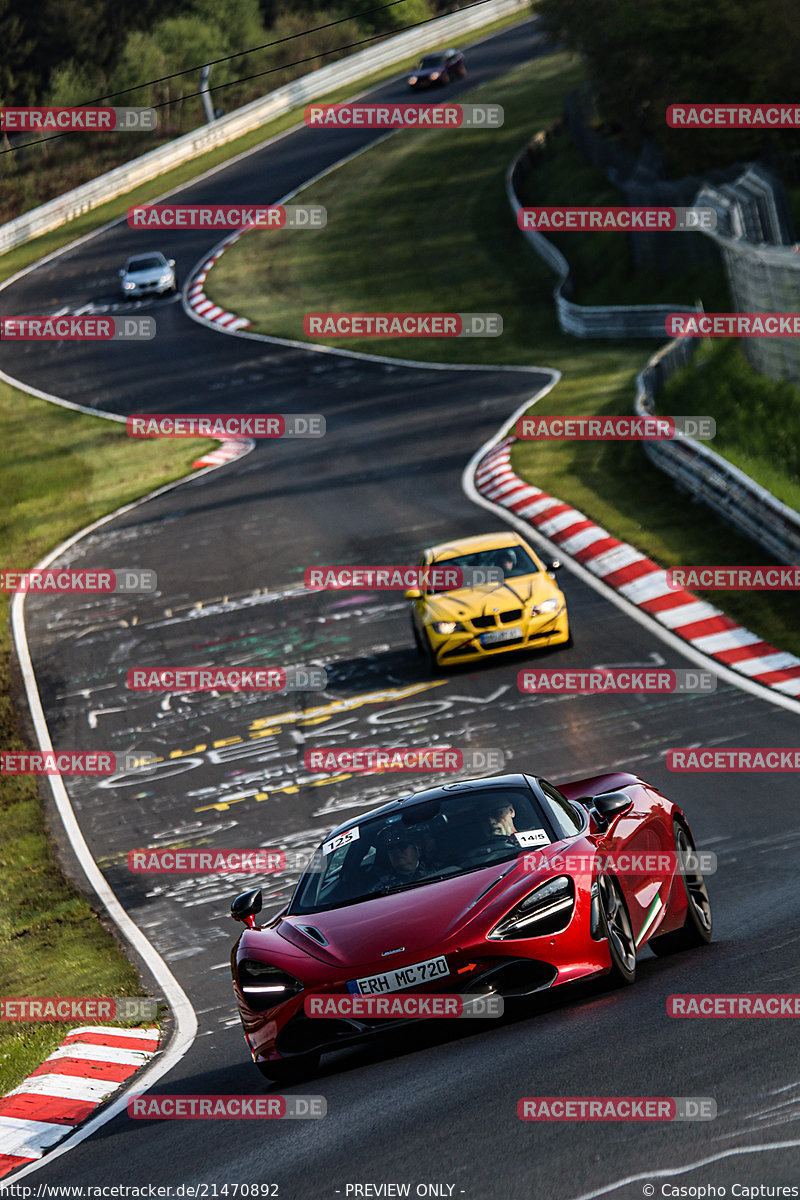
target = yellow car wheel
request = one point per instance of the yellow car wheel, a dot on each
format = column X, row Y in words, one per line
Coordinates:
column 434, row 665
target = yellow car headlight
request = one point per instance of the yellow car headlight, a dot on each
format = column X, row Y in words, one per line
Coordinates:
column 445, row 627
column 546, row 606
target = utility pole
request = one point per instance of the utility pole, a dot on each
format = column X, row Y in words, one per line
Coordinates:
column 206, row 94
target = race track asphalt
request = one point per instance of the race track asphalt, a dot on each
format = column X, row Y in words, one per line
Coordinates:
column 229, row 549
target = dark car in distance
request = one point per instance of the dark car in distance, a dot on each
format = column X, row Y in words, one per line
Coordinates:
column 437, row 69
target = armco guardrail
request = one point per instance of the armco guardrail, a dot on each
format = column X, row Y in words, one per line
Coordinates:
column 728, row 491
column 762, row 277
column 300, row 91
column 737, row 498
column 601, row 321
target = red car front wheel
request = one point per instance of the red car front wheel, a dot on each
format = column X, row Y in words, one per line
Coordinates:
column 696, row 929
column 618, row 930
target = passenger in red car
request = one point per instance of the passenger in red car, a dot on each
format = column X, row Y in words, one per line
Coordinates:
column 500, row 820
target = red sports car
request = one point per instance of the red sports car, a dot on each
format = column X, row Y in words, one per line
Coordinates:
column 503, row 886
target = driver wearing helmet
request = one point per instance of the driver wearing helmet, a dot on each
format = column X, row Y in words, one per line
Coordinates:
column 506, row 560
column 403, row 851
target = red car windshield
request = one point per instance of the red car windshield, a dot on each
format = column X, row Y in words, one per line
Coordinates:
column 422, row 843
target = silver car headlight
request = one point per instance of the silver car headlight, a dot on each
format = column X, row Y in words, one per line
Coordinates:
column 166, row 277
column 547, row 909
column 128, row 285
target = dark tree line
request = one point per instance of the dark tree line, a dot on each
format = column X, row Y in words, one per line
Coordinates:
column 38, row 36
column 69, row 51
column 643, row 55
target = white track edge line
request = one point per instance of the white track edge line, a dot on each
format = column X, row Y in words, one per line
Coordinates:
column 183, row 1012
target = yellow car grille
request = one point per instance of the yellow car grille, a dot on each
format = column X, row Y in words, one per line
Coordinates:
column 490, row 620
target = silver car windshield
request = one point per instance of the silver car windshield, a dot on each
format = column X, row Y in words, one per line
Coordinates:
column 146, row 264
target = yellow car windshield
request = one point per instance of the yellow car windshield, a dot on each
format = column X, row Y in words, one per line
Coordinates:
column 513, row 561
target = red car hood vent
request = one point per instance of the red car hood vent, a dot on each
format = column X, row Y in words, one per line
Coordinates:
column 417, row 919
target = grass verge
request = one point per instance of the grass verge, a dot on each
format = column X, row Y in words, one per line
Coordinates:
column 603, row 268
column 753, row 414
column 59, row 471
column 443, row 193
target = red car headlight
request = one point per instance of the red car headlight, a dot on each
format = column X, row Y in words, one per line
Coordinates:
column 547, row 909
column 265, row 986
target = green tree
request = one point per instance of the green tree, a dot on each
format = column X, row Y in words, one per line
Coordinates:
column 238, row 21
column 71, row 84
column 408, row 12
column 16, row 45
column 142, row 58
column 237, row 28
column 188, row 43
column 643, row 55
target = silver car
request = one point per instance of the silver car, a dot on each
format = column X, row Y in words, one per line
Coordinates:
column 148, row 275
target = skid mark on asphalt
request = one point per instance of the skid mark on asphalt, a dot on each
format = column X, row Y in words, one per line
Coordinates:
column 230, row 767
column 109, row 305
column 684, row 1169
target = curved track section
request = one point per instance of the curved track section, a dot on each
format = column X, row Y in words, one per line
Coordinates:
column 230, row 548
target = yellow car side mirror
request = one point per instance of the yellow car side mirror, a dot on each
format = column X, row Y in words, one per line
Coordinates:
column 413, row 594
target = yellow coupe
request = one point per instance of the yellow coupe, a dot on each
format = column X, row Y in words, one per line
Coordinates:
column 524, row 608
